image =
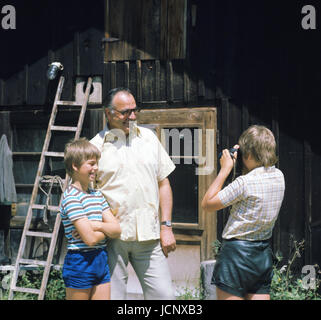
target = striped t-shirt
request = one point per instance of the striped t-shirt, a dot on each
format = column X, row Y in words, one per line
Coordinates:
column 77, row 204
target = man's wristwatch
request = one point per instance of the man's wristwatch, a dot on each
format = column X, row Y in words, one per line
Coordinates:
column 166, row 223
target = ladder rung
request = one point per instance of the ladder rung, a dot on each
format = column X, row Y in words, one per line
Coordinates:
column 69, row 103
column 62, row 128
column 42, row 207
column 29, row 263
column 27, row 290
column 54, row 154
column 44, row 180
column 39, row 234
column 36, row 262
column 7, row 268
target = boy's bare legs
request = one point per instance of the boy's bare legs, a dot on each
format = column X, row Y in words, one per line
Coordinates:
column 255, row 296
column 223, row 295
column 100, row 292
column 78, row 294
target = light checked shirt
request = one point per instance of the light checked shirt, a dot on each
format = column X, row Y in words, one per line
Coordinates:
column 129, row 171
column 256, row 199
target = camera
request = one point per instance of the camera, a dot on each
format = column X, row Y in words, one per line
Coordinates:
column 239, row 162
column 232, row 150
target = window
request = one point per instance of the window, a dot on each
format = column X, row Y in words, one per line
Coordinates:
column 189, row 136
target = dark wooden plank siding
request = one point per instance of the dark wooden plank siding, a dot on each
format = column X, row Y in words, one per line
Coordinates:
column 5, row 127
column 145, row 30
column 15, row 88
column 90, row 53
column 37, row 82
column 313, row 207
column 250, row 60
column 47, row 32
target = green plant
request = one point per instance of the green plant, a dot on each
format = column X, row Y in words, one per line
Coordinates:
column 288, row 286
column 216, row 246
column 32, row 279
column 56, row 286
column 190, row 294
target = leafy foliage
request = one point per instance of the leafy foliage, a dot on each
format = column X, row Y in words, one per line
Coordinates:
column 32, row 279
column 288, row 286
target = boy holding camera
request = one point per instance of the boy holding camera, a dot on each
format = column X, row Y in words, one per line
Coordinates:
column 243, row 269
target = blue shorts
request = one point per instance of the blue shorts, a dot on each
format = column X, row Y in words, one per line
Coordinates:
column 85, row 269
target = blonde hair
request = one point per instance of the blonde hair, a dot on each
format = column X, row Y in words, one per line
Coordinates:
column 259, row 141
column 77, row 152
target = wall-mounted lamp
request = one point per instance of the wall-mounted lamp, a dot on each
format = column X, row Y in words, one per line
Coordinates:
column 53, row 70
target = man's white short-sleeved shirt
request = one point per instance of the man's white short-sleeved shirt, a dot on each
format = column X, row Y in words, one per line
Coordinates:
column 130, row 169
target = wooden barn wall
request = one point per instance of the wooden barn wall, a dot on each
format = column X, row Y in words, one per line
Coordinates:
column 250, row 59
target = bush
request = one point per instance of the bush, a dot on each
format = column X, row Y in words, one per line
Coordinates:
column 287, row 286
column 32, row 279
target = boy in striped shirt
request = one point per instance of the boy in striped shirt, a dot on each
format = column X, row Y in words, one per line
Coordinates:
column 87, row 221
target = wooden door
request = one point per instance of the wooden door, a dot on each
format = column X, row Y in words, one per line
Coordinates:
column 189, row 136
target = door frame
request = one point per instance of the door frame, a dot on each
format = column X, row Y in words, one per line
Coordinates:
column 204, row 232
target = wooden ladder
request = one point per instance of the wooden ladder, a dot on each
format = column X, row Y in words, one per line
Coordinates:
column 33, row 206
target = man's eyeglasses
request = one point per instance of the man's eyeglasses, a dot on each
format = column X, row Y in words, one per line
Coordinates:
column 127, row 112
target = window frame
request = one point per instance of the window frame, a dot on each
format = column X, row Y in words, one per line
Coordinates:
column 204, row 231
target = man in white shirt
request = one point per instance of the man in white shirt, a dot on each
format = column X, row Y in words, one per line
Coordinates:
column 132, row 176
